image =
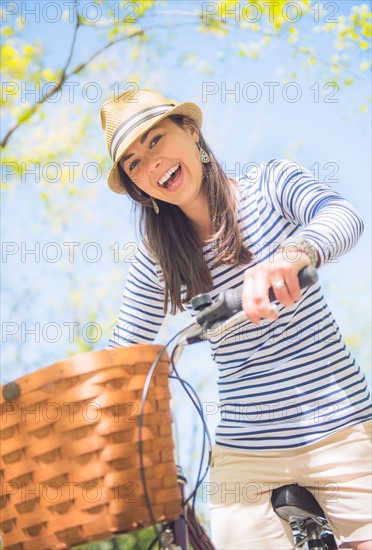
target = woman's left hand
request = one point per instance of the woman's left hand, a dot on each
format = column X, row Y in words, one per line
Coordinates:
column 280, row 273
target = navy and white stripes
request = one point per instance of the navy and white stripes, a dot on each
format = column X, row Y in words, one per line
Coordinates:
column 285, row 383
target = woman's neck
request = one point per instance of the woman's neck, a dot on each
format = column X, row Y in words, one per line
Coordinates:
column 198, row 213
column 199, row 216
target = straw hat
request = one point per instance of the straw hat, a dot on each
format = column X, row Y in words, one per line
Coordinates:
column 126, row 117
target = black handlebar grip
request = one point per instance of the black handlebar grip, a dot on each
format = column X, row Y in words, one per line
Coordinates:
column 230, row 302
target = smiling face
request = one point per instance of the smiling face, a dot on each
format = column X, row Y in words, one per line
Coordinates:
column 165, row 164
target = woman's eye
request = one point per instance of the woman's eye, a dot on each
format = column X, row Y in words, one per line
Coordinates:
column 133, row 165
column 154, row 140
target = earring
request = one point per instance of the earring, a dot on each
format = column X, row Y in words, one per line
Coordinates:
column 155, row 206
column 204, row 157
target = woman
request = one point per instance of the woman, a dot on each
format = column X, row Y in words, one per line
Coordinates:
column 294, row 405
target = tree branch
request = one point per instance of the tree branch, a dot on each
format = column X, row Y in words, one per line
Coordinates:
column 61, row 82
column 98, row 52
column 54, row 90
column 77, row 25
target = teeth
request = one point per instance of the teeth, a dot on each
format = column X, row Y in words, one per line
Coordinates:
column 168, row 174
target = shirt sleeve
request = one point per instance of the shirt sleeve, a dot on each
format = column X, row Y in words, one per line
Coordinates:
column 141, row 314
column 326, row 220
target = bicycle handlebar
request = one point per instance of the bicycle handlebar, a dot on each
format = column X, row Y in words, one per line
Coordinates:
column 227, row 305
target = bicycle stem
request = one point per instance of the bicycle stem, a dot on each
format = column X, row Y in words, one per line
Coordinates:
column 199, row 333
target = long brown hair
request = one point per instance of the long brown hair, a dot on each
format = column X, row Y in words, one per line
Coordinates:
column 173, row 241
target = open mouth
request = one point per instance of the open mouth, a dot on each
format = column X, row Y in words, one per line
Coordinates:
column 170, row 177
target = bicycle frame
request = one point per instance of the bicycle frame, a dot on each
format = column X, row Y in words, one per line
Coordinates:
column 186, row 529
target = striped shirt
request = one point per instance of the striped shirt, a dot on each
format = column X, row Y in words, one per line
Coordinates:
column 284, row 383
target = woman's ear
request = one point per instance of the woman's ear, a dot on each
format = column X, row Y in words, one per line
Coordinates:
column 193, row 131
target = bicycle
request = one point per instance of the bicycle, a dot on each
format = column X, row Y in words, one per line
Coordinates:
column 181, row 527
column 292, row 503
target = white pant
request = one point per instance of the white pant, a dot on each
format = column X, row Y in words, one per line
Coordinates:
column 336, row 470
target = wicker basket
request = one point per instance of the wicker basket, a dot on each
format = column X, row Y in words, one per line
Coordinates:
column 69, row 449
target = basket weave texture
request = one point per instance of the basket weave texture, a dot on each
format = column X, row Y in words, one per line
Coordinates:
column 70, row 461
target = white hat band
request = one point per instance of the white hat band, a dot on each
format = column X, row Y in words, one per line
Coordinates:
column 134, row 121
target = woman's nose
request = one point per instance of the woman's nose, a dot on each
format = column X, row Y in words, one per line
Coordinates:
column 153, row 164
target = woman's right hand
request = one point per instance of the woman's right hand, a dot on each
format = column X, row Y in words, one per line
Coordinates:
column 280, row 273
